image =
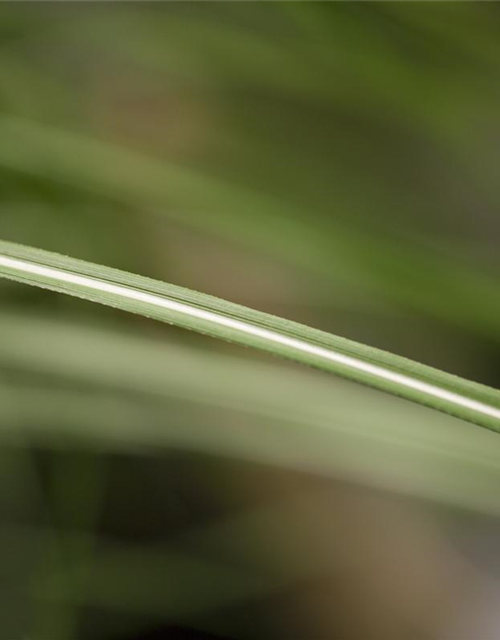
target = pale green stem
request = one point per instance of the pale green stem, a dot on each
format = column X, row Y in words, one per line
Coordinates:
column 468, row 400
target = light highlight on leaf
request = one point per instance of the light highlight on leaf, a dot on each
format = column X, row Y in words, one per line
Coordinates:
column 205, row 314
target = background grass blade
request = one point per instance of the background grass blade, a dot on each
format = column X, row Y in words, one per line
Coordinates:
column 205, row 314
column 184, row 195
column 71, row 386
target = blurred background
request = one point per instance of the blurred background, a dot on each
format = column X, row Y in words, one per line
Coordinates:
column 332, row 163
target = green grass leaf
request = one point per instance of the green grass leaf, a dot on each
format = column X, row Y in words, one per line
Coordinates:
column 329, row 251
column 205, row 314
column 64, row 384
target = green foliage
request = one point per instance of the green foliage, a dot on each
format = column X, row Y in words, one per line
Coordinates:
column 334, row 163
column 247, row 327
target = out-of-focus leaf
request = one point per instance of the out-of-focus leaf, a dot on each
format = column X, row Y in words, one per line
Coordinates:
column 426, row 281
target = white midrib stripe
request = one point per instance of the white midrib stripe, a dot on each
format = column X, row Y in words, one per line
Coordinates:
column 94, row 284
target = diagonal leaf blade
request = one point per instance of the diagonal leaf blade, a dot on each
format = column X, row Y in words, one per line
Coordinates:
column 205, row 314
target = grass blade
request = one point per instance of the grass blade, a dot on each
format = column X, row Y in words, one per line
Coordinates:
column 72, row 385
column 329, row 252
column 208, row 315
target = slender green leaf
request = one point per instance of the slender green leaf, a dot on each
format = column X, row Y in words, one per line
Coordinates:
column 128, row 393
column 205, row 314
column 332, row 252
